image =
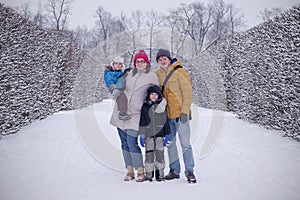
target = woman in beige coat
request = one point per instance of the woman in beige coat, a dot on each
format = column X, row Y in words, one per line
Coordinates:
column 137, row 82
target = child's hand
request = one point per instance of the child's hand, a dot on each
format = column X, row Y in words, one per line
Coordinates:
column 116, row 93
column 184, row 117
column 112, row 87
column 167, row 140
column 142, row 140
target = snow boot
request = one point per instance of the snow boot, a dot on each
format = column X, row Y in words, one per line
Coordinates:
column 159, row 175
column 191, row 177
column 140, row 175
column 171, row 175
column 149, row 176
column 130, row 174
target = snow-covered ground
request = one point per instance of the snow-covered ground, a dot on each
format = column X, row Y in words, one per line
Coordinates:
column 62, row 157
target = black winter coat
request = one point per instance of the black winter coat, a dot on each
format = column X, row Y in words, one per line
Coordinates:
column 153, row 124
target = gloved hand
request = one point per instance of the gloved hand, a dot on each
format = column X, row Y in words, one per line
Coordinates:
column 142, row 140
column 167, row 140
column 111, row 87
column 184, row 117
column 116, row 93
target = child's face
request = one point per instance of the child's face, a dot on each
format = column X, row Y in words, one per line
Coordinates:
column 153, row 96
column 117, row 66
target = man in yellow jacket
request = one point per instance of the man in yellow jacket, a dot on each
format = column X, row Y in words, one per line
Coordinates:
column 177, row 90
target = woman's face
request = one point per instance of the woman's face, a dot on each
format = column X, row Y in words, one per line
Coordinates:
column 140, row 64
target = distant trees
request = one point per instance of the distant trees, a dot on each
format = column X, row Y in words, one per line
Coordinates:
column 268, row 14
column 153, row 20
column 25, row 10
column 133, row 25
column 56, row 16
column 235, row 19
column 84, row 38
column 193, row 20
column 107, row 25
column 39, row 18
column 58, row 12
column 204, row 24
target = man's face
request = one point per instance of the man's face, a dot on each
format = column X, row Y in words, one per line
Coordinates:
column 164, row 62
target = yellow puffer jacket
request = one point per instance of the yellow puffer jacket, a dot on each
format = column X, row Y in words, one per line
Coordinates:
column 178, row 90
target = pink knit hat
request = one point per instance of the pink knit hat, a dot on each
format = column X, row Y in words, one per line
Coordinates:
column 141, row 54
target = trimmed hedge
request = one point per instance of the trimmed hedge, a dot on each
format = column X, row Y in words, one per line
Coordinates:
column 38, row 69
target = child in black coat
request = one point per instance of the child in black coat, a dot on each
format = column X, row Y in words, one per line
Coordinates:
column 154, row 132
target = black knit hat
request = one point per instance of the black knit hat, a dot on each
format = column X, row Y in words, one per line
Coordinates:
column 154, row 89
column 163, row 52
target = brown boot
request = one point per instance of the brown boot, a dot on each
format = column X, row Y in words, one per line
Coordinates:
column 130, row 174
column 191, row 177
column 140, row 175
column 171, row 175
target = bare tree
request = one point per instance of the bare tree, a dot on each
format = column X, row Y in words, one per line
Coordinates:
column 59, row 11
column 219, row 10
column 83, row 37
column 133, row 25
column 103, row 25
column 118, row 25
column 153, row 20
column 268, row 14
column 226, row 21
column 173, row 20
column 205, row 25
column 194, row 20
column 38, row 17
column 108, row 26
column 235, row 19
column 25, row 10
column 104, row 22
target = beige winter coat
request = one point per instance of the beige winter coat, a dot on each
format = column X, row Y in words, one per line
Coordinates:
column 136, row 90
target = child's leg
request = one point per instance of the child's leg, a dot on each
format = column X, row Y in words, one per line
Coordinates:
column 149, row 160
column 159, row 157
column 122, row 103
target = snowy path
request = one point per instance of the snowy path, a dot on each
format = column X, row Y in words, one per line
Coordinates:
column 47, row 160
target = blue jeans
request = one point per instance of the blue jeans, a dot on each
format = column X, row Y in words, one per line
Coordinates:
column 184, row 135
column 131, row 151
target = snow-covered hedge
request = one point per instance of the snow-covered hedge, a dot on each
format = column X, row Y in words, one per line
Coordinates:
column 261, row 73
column 37, row 72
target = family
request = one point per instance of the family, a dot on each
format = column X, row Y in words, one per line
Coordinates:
column 153, row 107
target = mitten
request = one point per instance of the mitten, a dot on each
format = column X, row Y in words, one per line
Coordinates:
column 111, row 87
column 142, row 140
column 167, row 140
column 184, row 117
column 116, row 93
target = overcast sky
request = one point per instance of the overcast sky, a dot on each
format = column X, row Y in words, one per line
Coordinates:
column 83, row 10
